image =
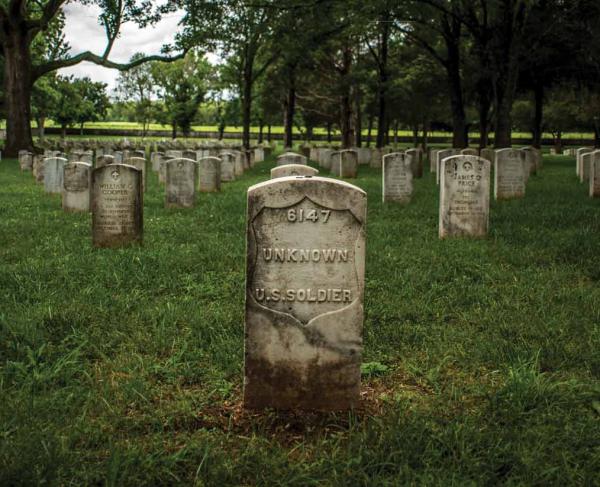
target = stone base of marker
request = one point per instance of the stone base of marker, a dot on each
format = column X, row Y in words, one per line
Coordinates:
column 304, row 294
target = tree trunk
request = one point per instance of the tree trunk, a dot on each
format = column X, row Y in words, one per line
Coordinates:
column 396, row 128
column 63, row 131
column 358, row 118
column 425, row 142
column 538, row 96
column 269, row 133
column 17, row 90
column 346, row 121
column 382, row 81
column 261, row 124
column 309, row 133
column 81, row 128
column 369, row 130
column 247, row 102
column 415, row 135
column 346, row 115
column 452, row 39
column 41, row 126
column 485, row 103
column 288, row 115
column 173, row 130
column 329, row 132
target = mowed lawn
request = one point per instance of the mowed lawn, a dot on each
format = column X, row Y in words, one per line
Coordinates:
column 124, row 367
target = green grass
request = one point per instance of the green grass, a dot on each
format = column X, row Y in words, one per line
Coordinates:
column 124, row 367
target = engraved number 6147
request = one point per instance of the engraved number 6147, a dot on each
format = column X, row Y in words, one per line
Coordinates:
column 314, row 216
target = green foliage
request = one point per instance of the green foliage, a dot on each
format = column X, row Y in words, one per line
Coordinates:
column 79, row 100
column 124, row 367
column 182, row 86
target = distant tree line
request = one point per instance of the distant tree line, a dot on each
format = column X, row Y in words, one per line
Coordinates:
column 490, row 66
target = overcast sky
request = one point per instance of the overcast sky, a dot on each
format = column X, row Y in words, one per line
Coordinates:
column 85, row 34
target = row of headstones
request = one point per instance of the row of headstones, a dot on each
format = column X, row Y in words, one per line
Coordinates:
column 113, row 190
column 587, row 168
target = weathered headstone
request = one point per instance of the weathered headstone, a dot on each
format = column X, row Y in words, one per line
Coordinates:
column 464, row 197
column 259, row 154
column 325, row 158
column 155, row 160
column 364, row 156
column 376, row 158
column 469, row 151
column 140, row 164
column 345, row 164
column 509, row 174
column 53, row 174
column 25, row 160
column 77, row 182
column 397, row 177
column 417, row 161
column 304, row 294
column 441, row 155
column 117, row 206
column 181, row 183
column 595, row 175
column 293, row 170
column 578, row 153
column 105, row 161
column 314, row 154
column 190, row 154
column 489, row 154
column 227, row 167
column 238, row 163
column 586, row 159
column 291, row 158
column 433, row 160
column 533, row 159
column 38, row 168
column 209, row 179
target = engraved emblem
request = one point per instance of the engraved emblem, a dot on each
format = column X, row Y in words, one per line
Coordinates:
column 305, row 260
column 180, row 164
column 467, row 166
column 115, row 175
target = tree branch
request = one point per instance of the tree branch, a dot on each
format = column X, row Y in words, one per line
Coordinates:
column 48, row 13
column 41, row 70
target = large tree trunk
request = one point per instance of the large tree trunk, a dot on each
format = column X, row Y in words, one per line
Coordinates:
column 329, row 132
column 538, row 96
column 17, row 91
